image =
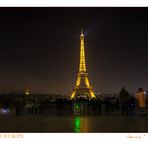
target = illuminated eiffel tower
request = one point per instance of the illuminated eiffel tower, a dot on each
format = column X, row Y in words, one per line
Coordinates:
column 82, row 87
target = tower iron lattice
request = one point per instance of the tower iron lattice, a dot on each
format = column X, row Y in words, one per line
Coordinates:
column 82, row 87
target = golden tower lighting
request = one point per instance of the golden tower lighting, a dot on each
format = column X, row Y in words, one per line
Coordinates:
column 82, row 87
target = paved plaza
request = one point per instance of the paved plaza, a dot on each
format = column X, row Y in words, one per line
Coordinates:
column 72, row 124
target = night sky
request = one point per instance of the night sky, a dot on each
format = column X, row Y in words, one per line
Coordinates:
column 40, row 48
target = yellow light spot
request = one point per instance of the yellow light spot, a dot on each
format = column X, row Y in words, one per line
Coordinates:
column 27, row 92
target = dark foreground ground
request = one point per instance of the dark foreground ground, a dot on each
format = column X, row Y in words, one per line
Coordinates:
column 70, row 124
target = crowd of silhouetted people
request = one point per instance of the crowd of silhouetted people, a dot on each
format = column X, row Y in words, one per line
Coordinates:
column 124, row 104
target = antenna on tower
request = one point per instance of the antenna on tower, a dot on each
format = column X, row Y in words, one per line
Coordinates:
column 82, row 32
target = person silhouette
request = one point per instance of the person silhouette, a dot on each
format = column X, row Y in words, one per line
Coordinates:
column 124, row 100
column 141, row 98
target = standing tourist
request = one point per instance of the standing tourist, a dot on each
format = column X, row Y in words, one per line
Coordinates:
column 141, row 98
column 124, row 100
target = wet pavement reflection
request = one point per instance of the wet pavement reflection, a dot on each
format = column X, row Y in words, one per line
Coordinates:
column 80, row 124
column 77, row 124
column 73, row 124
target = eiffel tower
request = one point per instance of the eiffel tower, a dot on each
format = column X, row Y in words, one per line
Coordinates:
column 82, row 87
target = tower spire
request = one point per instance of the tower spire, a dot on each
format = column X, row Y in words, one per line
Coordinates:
column 82, row 66
column 82, row 32
column 82, row 86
